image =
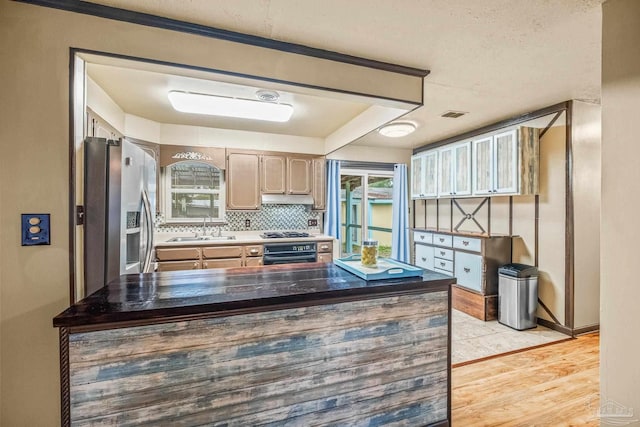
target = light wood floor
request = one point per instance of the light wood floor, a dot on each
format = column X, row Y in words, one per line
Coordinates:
column 555, row 385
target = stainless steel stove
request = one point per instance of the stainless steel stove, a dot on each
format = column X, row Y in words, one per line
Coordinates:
column 283, row 234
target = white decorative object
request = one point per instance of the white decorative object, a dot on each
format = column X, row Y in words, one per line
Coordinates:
column 191, row 155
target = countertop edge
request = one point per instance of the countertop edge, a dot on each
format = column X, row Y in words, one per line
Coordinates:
column 232, row 308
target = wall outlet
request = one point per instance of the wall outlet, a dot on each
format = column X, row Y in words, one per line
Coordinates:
column 35, row 229
column 247, row 223
column 312, row 222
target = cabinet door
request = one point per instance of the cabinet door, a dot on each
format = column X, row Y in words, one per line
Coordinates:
column 243, row 181
column 273, row 174
column 430, row 175
column 175, row 254
column 468, row 270
column 417, row 176
column 462, row 167
column 222, row 263
column 445, row 172
column 483, row 166
column 222, row 252
column 319, row 184
column 178, row 265
column 253, row 262
column 298, row 175
column 506, row 168
column 325, row 258
column 425, row 256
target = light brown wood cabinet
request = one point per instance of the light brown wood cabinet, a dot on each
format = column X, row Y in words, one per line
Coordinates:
column 197, row 257
column 285, row 174
column 243, row 181
column 325, row 251
column 319, row 187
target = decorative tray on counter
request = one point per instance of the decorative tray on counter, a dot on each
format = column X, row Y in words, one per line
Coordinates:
column 386, row 269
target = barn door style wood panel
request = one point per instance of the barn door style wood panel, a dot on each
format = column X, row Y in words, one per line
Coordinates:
column 349, row 363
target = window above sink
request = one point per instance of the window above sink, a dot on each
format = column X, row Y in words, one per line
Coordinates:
column 193, row 191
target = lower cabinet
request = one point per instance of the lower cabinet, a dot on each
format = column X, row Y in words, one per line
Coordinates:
column 325, row 251
column 473, row 261
column 196, row 257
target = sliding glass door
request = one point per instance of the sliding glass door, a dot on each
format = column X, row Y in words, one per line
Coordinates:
column 366, row 199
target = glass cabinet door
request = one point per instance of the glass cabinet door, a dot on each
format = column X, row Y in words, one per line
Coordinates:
column 417, row 176
column 483, row 166
column 462, row 177
column 505, row 162
column 430, row 174
column 445, row 172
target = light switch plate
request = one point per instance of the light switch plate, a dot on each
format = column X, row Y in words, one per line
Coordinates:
column 35, row 229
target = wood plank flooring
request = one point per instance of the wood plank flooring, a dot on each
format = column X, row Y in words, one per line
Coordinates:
column 555, row 385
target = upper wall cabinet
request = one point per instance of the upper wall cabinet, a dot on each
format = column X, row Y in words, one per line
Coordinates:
column 454, row 170
column 506, row 163
column 286, row 174
column 424, row 175
column 243, row 181
column 319, row 184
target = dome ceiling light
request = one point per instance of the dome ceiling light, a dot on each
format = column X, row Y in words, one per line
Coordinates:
column 397, row 129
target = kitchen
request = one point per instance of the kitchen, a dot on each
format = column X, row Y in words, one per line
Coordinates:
column 58, row 134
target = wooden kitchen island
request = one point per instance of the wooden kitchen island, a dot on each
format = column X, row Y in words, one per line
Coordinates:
column 289, row 345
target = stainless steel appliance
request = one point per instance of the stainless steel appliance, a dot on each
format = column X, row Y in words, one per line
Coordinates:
column 119, row 194
column 289, row 253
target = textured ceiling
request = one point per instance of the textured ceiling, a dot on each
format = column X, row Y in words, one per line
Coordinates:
column 492, row 58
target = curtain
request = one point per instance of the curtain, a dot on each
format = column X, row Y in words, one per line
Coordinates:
column 332, row 214
column 400, row 215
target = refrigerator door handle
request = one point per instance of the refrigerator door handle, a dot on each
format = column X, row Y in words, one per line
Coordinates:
column 145, row 262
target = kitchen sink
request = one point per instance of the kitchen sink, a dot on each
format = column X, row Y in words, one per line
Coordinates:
column 200, row 238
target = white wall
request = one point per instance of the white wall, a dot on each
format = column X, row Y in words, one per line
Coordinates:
column 362, row 153
column 619, row 289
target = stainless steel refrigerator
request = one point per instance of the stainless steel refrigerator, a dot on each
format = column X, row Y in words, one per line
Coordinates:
column 119, row 194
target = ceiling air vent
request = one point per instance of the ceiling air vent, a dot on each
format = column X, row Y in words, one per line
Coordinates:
column 453, row 114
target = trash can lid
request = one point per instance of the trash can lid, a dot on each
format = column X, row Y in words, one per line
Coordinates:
column 518, row 270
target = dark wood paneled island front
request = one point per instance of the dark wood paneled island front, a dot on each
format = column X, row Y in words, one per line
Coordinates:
column 293, row 345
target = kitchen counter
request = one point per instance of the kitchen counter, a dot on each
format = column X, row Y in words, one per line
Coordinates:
column 302, row 344
column 241, row 237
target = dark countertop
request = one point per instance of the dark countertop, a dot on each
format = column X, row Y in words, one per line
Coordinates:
column 141, row 299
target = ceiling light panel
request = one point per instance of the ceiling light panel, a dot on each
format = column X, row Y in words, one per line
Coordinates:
column 198, row 103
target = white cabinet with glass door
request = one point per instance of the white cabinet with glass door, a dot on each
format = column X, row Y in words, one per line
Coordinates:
column 496, row 164
column 454, row 170
column 424, row 175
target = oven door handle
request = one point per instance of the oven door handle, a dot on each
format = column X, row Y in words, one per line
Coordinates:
column 287, row 259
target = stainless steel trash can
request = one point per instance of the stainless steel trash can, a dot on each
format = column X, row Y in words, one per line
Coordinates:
column 518, row 296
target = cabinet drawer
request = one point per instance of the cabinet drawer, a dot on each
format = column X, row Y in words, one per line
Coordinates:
column 444, row 253
column 325, row 247
column 253, row 250
column 443, row 264
column 467, row 243
column 443, row 240
column 424, row 256
column 222, row 252
column 222, row 263
column 178, row 265
column 448, row 273
column 422, row 237
column 325, row 257
column 469, row 270
column 253, row 262
column 175, row 254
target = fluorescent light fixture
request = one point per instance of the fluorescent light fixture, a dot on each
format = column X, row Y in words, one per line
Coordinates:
column 397, row 129
column 213, row 105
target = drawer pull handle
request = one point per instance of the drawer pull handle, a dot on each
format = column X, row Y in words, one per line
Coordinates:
column 441, row 239
column 253, row 251
column 442, row 264
column 442, row 253
column 465, row 242
column 422, row 236
column 467, row 269
column 324, row 247
column 424, row 259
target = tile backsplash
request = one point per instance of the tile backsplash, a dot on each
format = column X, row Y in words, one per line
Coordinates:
column 270, row 217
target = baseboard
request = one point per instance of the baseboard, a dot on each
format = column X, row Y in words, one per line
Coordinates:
column 556, row 327
column 586, row 329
